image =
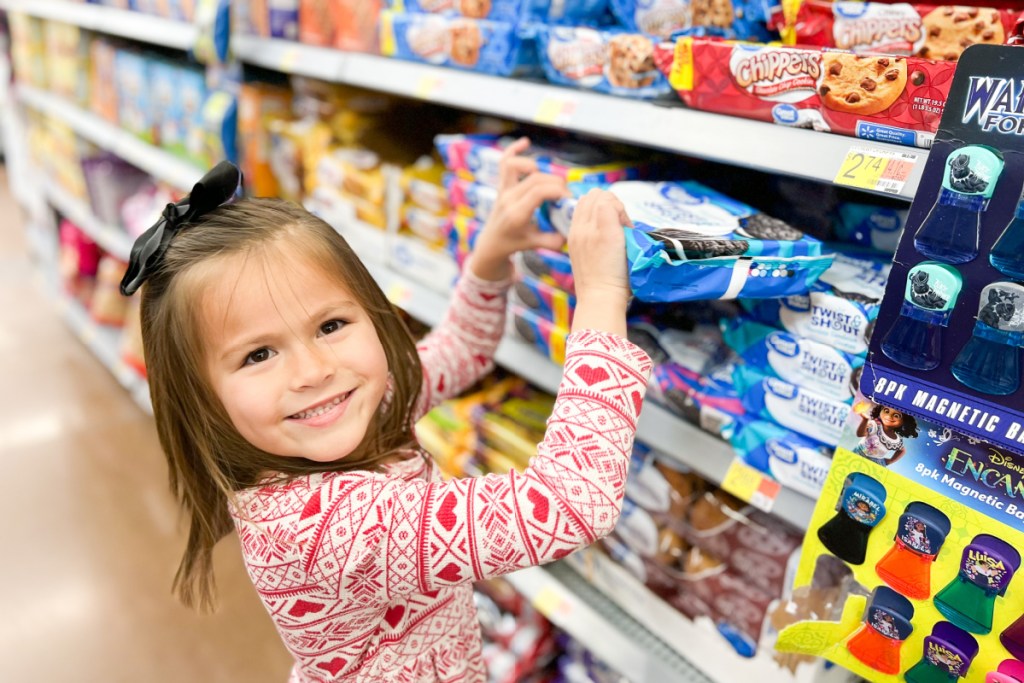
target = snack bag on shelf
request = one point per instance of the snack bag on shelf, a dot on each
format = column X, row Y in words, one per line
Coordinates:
column 258, row 103
column 61, row 157
column 316, row 22
column 462, row 232
column 803, row 362
column 164, row 87
column 875, row 97
column 28, row 49
column 107, row 306
column 875, row 225
column 476, row 158
column 817, row 416
column 67, row 57
column 795, row 461
column 511, row 11
column 111, row 181
column 931, row 31
column 283, row 19
column 423, row 185
column 491, row 47
column 181, row 10
column 514, row 425
column 545, row 335
column 135, row 110
column 840, row 310
column 251, row 17
column 612, row 61
column 708, row 400
column 103, row 79
column 544, row 300
column 470, row 199
column 662, row 18
column 550, row 267
column 220, row 127
column 78, row 261
column 192, row 95
column 427, row 226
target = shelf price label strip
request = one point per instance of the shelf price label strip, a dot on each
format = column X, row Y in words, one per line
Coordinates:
column 879, row 170
column 751, row 486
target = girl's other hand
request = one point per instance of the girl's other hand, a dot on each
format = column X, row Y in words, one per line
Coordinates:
column 511, row 227
column 597, row 247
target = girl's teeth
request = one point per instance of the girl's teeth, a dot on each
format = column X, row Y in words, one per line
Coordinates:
column 315, row 412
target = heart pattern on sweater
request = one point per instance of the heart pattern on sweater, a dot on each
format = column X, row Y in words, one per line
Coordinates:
column 450, row 573
column 591, row 375
column 638, row 401
column 394, row 615
column 302, row 607
column 332, row 667
column 541, row 506
column 446, row 513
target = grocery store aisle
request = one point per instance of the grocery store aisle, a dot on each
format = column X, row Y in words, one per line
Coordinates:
column 89, row 534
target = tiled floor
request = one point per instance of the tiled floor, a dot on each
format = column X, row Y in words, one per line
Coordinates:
column 89, row 534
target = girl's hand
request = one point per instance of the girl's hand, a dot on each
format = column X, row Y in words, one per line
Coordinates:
column 511, row 228
column 597, row 246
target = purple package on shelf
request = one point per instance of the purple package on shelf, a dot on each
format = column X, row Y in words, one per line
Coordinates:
column 284, row 19
column 110, row 181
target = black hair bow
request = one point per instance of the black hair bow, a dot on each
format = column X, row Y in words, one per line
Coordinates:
column 218, row 186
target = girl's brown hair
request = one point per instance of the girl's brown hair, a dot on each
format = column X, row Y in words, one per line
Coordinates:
column 208, row 459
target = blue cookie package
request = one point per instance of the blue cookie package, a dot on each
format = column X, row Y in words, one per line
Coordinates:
column 841, row 308
column 805, row 363
column 742, row 19
column 691, row 243
column 795, row 461
column 491, row 47
column 608, row 61
column 512, row 11
column 805, row 412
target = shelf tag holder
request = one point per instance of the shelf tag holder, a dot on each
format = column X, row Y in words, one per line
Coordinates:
column 878, row 170
column 751, row 486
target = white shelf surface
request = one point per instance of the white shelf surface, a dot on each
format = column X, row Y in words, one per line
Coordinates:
column 690, row 445
column 727, row 139
column 155, row 161
column 110, row 238
column 118, row 22
column 572, row 604
column 105, row 343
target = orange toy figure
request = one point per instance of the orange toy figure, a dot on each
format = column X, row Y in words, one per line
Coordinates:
column 886, row 625
column 907, row 567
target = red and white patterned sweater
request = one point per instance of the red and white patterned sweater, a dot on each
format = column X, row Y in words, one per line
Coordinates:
column 367, row 575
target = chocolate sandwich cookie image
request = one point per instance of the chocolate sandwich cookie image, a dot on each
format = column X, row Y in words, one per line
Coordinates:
column 886, row 626
column 763, row 227
column 948, row 653
column 861, row 506
column 951, row 230
column 990, row 360
column 920, row 535
column 915, row 338
column 685, row 245
column 986, row 569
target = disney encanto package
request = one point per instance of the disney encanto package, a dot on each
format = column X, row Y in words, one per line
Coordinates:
column 924, row 502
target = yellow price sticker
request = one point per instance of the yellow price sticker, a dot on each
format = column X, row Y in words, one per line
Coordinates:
column 427, row 87
column 398, row 294
column 555, row 111
column 876, row 169
column 751, row 486
column 551, row 603
column 289, row 59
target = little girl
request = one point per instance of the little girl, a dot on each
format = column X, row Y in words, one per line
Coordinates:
column 285, row 390
column 882, row 432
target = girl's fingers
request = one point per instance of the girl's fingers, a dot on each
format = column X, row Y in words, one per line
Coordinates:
column 547, row 240
column 514, row 169
column 537, row 189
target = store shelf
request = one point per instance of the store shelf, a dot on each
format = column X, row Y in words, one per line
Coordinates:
column 118, row 22
column 727, row 139
column 575, row 606
column 110, row 238
column 691, row 446
column 105, row 343
column 155, row 161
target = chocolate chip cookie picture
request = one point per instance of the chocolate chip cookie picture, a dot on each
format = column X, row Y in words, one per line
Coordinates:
column 861, row 84
column 951, row 29
column 475, row 9
column 631, row 61
column 712, row 13
column 466, row 42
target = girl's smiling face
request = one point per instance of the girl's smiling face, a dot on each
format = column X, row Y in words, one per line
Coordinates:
column 293, row 357
column 890, row 418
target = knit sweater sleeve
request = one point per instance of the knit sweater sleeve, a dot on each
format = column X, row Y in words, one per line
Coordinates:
column 380, row 537
column 460, row 350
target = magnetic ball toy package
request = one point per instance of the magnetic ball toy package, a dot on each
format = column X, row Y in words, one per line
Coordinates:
column 608, row 61
column 795, row 461
column 875, row 97
column 476, row 157
column 491, row 47
column 805, row 363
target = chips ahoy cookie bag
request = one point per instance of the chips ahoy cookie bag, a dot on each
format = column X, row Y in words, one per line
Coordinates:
column 612, row 62
column 663, row 18
column 491, row 47
column 512, row 11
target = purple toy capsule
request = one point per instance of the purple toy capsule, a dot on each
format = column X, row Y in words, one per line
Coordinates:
column 986, row 569
column 948, row 653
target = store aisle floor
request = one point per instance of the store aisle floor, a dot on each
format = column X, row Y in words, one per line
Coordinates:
column 89, row 533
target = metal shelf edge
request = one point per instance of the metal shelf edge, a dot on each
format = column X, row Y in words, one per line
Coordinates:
column 111, row 239
column 728, row 139
column 139, row 26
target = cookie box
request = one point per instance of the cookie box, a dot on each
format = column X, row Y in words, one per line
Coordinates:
column 805, row 363
column 546, row 336
column 462, row 233
column 491, row 47
column 134, row 112
column 164, row 89
column 476, row 157
column 874, row 97
column 282, row 18
column 428, row 226
column 931, row 31
column 512, row 11
column 475, row 200
column 551, row 267
column 545, row 300
column 795, row 461
column 423, row 185
column 817, row 416
column 708, row 400
column 344, row 24
column 662, row 18
column 840, row 309
column 608, row 61
column 698, row 348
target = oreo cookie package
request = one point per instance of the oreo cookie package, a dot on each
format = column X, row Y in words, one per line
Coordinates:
column 691, row 243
